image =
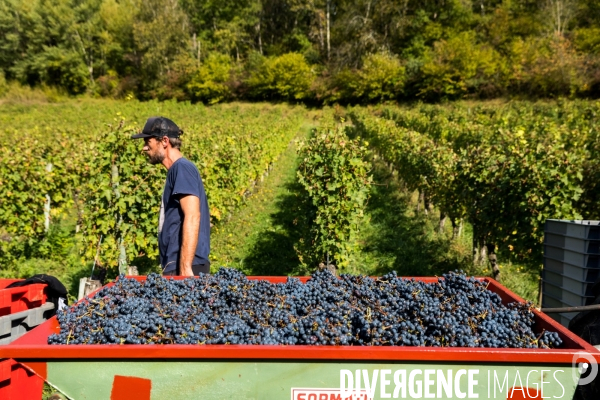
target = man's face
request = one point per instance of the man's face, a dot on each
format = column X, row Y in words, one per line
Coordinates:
column 154, row 150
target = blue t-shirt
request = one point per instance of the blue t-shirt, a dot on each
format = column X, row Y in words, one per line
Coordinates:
column 183, row 178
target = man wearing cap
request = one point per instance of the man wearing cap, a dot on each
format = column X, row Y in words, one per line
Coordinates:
column 184, row 222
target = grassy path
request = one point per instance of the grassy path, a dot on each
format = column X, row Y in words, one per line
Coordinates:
column 396, row 237
column 259, row 238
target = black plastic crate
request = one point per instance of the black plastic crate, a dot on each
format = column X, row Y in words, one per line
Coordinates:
column 562, row 318
column 584, row 229
column 584, row 246
column 564, row 295
column 567, row 283
column 581, row 274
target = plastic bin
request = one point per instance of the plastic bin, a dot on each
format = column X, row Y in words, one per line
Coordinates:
column 582, row 260
column 15, row 325
column 560, row 293
column 18, row 382
column 571, row 265
column 549, row 301
column 583, row 229
column 568, row 283
column 13, row 300
column 293, row 372
column 563, row 318
column 581, row 274
column 573, row 244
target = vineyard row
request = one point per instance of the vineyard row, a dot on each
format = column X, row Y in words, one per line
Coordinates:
column 503, row 169
column 103, row 174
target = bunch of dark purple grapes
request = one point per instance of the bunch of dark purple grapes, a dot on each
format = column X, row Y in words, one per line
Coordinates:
column 227, row 308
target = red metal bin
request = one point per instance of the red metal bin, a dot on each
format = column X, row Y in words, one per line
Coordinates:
column 305, row 372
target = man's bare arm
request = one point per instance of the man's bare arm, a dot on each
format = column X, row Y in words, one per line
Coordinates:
column 190, row 205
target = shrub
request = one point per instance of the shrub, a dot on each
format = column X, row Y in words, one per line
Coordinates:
column 106, row 85
column 546, row 67
column 209, row 83
column 111, row 85
column 287, row 77
column 459, row 66
column 587, row 40
column 341, row 87
column 382, row 77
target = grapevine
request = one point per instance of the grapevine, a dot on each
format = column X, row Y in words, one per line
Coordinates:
column 99, row 172
column 504, row 169
column 334, row 173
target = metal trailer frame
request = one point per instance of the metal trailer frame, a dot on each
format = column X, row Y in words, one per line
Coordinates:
column 306, row 372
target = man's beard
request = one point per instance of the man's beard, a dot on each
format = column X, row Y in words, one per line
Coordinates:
column 155, row 158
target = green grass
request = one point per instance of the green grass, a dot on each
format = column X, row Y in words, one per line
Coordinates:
column 396, row 237
column 259, row 239
column 522, row 279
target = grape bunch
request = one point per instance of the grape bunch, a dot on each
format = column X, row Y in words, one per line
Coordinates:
column 227, row 308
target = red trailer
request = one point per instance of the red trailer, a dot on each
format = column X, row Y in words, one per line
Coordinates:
column 306, row 372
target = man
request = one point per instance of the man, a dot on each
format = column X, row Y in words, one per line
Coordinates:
column 184, row 222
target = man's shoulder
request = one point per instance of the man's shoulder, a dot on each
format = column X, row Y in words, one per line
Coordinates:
column 183, row 164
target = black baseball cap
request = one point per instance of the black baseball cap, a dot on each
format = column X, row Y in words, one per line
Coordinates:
column 158, row 127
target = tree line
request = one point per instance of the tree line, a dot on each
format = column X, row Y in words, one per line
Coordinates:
column 315, row 51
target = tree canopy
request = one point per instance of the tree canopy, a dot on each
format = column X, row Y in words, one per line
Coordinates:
column 319, row 51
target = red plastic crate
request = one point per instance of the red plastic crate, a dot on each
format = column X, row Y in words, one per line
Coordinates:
column 18, row 382
column 22, row 298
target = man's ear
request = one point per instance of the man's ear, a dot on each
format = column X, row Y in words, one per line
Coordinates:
column 165, row 141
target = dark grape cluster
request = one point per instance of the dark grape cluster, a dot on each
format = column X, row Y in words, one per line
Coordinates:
column 227, row 308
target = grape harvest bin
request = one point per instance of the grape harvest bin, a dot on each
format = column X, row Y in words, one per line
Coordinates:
column 21, row 308
column 23, row 298
column 303, row 372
